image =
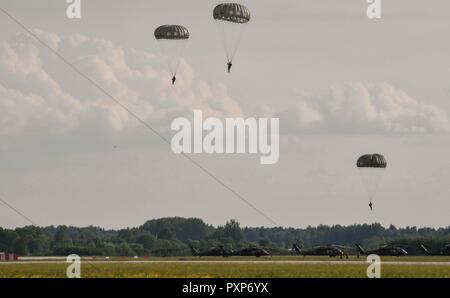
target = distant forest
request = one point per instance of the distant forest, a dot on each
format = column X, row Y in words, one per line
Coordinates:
column 173, row 236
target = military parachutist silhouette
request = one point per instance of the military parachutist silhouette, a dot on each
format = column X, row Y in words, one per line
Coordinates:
column 229, row 64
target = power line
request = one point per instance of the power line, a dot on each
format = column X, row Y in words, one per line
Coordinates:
column 17, row 211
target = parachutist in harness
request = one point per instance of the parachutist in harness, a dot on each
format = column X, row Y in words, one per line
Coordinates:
column 371, row 167
column 231, row 19
column 172, row 39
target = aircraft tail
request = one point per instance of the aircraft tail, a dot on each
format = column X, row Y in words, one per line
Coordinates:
column 297, row 249
column 424, row 250
column 360, row 249
column 194, row 251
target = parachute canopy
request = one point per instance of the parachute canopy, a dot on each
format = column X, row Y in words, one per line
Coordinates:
column 371, row 161
column 171, row 32
column 232, row 12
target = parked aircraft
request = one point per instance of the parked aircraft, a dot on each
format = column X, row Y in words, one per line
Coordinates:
column 212, row 252
column 386, row 250
column 328, row 250
column 443, row 252
column 250, row 251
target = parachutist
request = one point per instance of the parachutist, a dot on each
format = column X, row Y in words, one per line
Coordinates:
column 229, row 64
column 231, row 19
column 172, row 39
column 371, row 168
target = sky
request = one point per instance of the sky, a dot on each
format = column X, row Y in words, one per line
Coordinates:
column 342, row 85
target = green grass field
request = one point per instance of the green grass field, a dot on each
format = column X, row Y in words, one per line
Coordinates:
column 232, row 268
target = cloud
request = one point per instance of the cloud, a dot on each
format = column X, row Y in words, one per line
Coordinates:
column 42, row 95
column 356, row 107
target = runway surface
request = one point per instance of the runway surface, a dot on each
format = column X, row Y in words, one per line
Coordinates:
column 299, row 262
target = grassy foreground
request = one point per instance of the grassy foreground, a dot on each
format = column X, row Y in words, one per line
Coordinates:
column 229, row 269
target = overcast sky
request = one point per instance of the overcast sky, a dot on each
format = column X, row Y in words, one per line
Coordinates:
column 341, row 84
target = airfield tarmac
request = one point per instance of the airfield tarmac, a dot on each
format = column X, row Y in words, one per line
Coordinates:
column 267, row 261
column 232, row 267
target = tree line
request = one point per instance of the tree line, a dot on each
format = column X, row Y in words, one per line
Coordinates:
column 173, row 236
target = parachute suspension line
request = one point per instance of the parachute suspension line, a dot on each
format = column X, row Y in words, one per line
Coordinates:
column 166, row 58
column 241, row 34
column 169, row 67
column 233, row 46
column 178, row 59
column 371, row 178
column 223, row 37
